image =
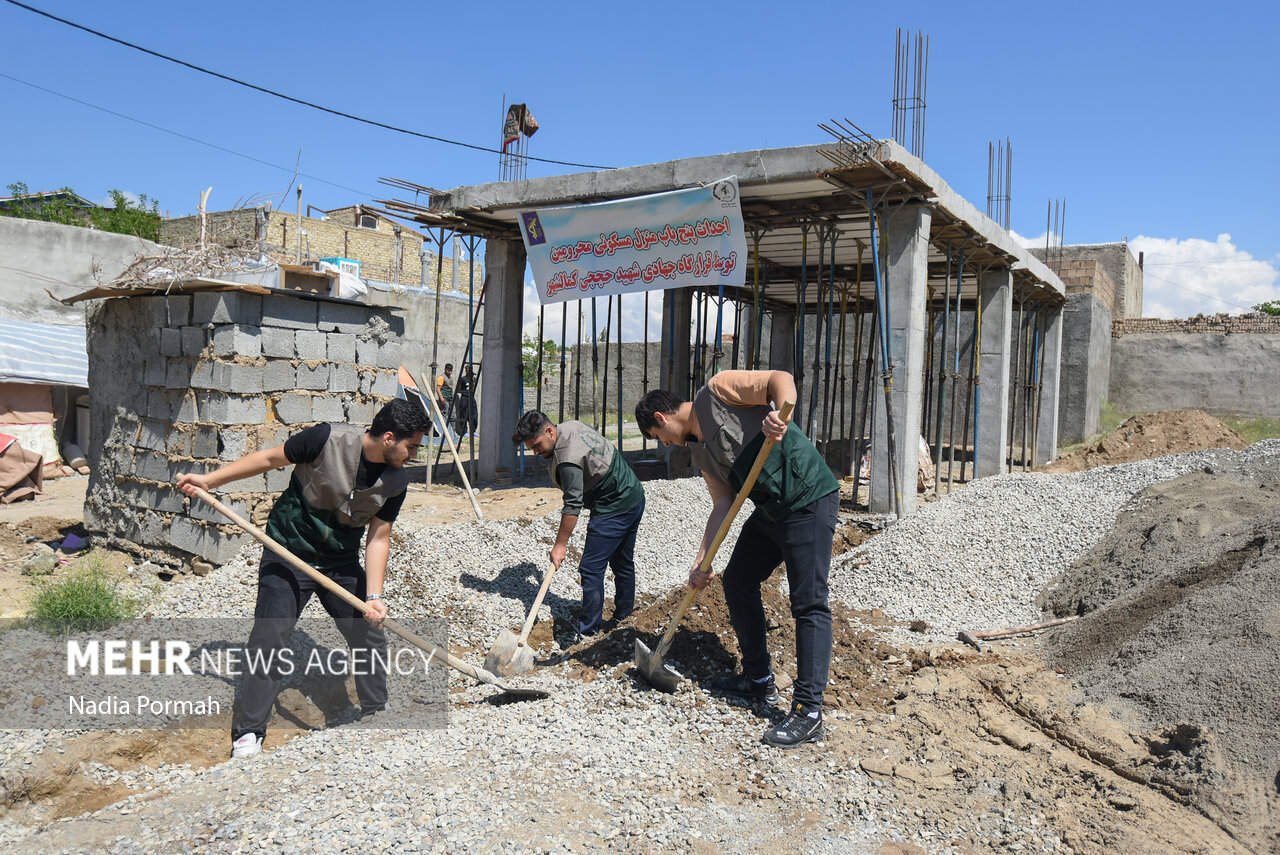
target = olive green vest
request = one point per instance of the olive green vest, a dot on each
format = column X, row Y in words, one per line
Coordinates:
column 609, row 485
column 321, row 516
column 793, row 476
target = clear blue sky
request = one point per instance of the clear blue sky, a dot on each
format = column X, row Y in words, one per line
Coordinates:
column 1154, row 121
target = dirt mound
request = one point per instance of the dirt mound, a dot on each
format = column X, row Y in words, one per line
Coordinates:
column 1181, row 611
column 1151, row 435
column 705, row 646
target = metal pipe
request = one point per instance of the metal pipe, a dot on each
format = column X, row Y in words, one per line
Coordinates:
column 595, row 367
column 968, row 399
column 821, row 234
column 618, row 369
column 955, row 376
column 828, row 404
column 855, row 462
column 542, row 312
column 801, row 307
column 564, row 329
column 644, row 439
column 577, row 368
column 886, row 374
column 604, row 388
column 942, row 376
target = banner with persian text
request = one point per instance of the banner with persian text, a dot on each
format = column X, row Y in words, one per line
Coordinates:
column 667, row 240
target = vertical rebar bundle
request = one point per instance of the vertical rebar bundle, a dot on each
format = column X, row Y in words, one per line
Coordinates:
column 1000, row 182
column 910, row 81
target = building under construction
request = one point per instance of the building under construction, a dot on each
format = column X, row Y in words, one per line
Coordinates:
column 902, row 310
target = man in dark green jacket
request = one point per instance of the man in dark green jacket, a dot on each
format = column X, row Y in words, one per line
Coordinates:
column 345, row 480
column 796, row 499
column 591, row 473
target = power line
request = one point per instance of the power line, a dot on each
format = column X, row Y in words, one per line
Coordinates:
column 288, row 169
column 281, row 95
column 1200, row 293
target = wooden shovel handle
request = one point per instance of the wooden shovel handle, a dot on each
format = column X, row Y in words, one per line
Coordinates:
column 413, row 638
column 537, row 603
column 785, row 412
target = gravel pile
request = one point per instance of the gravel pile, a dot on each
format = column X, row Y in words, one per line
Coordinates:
column 977, row 559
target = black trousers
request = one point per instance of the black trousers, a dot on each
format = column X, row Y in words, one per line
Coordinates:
column 802, row 540
column 283, row 592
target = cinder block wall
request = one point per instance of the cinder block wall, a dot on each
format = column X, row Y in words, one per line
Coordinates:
column 188, row 383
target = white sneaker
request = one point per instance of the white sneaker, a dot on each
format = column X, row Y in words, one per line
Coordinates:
column 247, row 745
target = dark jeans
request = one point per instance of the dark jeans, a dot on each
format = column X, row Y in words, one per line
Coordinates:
column 611, row 541
column 282, row 594
column 802, row 540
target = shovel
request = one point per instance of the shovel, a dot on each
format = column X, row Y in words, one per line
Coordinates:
column 510, row 654
column 655, row 672
column 435, row 651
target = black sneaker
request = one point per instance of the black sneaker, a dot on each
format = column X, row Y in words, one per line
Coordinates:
column 745, row 687
column 804, row 724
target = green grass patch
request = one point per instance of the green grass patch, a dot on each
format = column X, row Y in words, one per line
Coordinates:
column 88, row 599
column 1109, row 418
column 1252, row 430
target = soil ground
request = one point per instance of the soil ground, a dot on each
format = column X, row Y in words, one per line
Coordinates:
column 1150, row 435
column 955, row 735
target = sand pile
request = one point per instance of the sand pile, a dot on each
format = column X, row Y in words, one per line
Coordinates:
column 1151, row 435
column 1179, row 633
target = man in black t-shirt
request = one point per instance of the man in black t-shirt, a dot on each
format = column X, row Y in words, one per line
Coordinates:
column 345, row 481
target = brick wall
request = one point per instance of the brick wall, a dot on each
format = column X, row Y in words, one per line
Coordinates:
column 381, row 258
column 1254, row 322
column 189, row 383
column 1087, row 276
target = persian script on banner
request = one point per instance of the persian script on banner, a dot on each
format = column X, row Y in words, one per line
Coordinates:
column 667, row 240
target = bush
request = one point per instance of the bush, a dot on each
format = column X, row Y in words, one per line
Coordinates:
column 89, row 600
column 1252, row 430
column 1109, row 418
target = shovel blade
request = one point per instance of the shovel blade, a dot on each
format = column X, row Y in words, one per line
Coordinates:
column 655, row 672
column 508, row 656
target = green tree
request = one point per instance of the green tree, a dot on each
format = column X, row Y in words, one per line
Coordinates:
column 1271, row 307
column 529, row 358
column 141, row 219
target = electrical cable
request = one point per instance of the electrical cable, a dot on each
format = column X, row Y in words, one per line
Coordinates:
column 281, row 95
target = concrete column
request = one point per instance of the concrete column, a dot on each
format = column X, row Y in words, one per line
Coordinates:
column 677, row 302
column 906, row 241
column 996, row 294
column 1046, row 439
column 500, row 382
column 782, row 343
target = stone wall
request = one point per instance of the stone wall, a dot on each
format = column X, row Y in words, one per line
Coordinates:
column 1222, row 364
column 189, row 383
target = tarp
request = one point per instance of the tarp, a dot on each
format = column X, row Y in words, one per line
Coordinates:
column 666, row 240
column 43, row 353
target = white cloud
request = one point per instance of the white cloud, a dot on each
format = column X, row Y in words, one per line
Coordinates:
column 1187, row 277
column 1184, row 278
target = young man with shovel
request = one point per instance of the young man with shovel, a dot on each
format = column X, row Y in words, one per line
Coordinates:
column 345, row 481
column 796, row 498
column 591, row 473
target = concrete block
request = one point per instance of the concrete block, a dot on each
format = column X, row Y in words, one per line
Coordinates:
column 327, row 408
column 343, row 378
column 187, row 534
column 270, row 436
column 155, row 369
column 179, row 310
column 179, row 374
column 278, row 479
column 204, row 443
column 313, row 377
column 366, row 381
column 193, row 341
column 366, row 352
column 289, row 312
column 389, row 355
column 220, row 547
column 396, row 323
column 255, row 484
column 386, row 384
column 166, row 499
column 342, row 348
column 360, row 414
column 233, row 443
column 341, row 318
column 152, row 435
column 294, row 409
column 150, row 466
column 278, row 375
column 179, row 443
column 158, row 405
column 201, row 511
column 201, row 375
column 237, row 340
column 187, row 409
column 225, row 307
column 150, row 531
column 310, row 344
column 234, row 409
column 277, row 342
column 151, row 311
column 238, row 378
column 170, row 342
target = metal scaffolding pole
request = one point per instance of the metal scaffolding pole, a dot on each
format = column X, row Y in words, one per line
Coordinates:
column 821, row 234
column 942, row 376
column 801, row 309
column 855, row 461
column 828, row 403
column 955, row 377
column 564, row 329
column 644, row 439
column 618, row 369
